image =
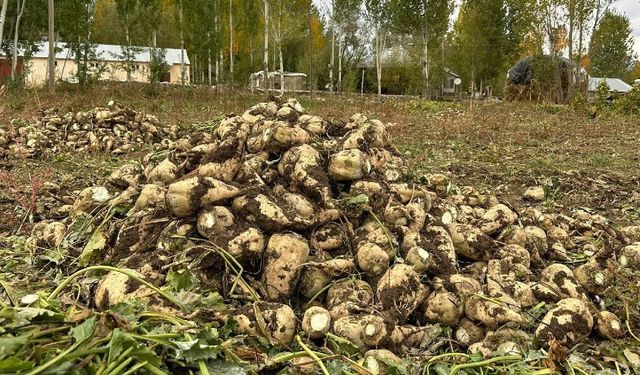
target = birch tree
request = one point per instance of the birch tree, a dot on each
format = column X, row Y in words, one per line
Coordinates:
column 377, row 15
column 345, row 18
column 3, row 15
column 426, row 21
column 265, row 61
column 231, row 40
column 16, row 34
column 284, row 24
column 51, row 58
column 126, row 10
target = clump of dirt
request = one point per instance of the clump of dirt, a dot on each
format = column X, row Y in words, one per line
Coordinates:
column 277, row 205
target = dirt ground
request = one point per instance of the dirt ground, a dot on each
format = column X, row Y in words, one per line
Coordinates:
column 500, row 147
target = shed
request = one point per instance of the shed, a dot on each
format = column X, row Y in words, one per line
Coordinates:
column 449, row 83
column 292, row 81
column 616, row 86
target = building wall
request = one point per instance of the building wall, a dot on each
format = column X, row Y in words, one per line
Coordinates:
column 37, row 72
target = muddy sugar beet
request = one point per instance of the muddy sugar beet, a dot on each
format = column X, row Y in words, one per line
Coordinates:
column 112, row 130
column 313, row 227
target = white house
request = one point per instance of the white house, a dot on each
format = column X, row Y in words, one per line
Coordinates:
column 110, row 63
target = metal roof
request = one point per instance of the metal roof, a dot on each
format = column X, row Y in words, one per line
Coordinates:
column 111, row 52
column 277, row 73
column 615, row 84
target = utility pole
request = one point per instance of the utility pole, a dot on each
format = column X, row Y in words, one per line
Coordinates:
column 52, row 52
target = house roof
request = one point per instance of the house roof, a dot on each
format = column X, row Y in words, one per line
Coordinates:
column 615, row 84
column 286, row 74
column 111, row 52
column 451, row 72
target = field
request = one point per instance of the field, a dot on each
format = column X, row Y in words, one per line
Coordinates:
column 583, row 162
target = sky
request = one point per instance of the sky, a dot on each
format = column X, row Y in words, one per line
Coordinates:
column 631, row 8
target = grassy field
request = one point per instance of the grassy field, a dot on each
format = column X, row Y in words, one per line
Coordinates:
column 500, row 148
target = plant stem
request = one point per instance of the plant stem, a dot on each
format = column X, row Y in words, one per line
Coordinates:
column 130, row 274
column 313, row 355
column 506, row 358
column 135, row 368
column 55, row 359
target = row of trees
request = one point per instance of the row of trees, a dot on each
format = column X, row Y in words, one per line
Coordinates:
column 379, row 45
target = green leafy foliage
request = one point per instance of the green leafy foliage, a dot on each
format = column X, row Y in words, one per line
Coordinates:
column 611, row 47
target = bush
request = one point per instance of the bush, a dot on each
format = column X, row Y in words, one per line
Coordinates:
column 629, row 104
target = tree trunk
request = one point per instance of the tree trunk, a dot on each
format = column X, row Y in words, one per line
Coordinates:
column 14, row 65
column 426, row 92
column 310, row 51
column 251, row 54
column 572, row 16
column 231, row 40
column 128, row 57
column 379, row 58
column 265, row 61
column 216, row 28
column 281, row 69
column 182, row 67
column 52, row 54
column 333, row 45
column 340, row 62
column 209, row 66
column 3, row 15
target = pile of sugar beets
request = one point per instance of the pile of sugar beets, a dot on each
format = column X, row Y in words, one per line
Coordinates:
column 114, row 129
column 312, row 227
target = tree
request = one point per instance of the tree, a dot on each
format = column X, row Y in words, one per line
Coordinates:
column 265, row 61
column 376, row 12
column 480, row 40
column 126, row 10
column 75, row 29
column 3, row 15
column 345, row 21
column 611, row 48
column 284, row 24
column 52, row 53
column 14, row 64
column 427, row 21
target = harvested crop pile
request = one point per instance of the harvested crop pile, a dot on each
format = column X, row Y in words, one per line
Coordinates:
column 115, row 129
column 314, row 229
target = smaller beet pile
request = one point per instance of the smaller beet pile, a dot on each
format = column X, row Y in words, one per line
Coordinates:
column 314, row 226
column 116, row 130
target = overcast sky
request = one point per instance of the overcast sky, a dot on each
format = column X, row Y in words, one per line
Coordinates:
column 632, row 9
column 629, row 7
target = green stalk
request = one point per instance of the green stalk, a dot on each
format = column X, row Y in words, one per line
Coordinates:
column 313, row 355
column 153, row 339
column 135, row 368
column 121, row 366
column 130, row 274
column 486, row 362
column 290, row 356
column 203, row 368
column 54, row 360
column 87, row 352
column 115, row 362
column 154, row 370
